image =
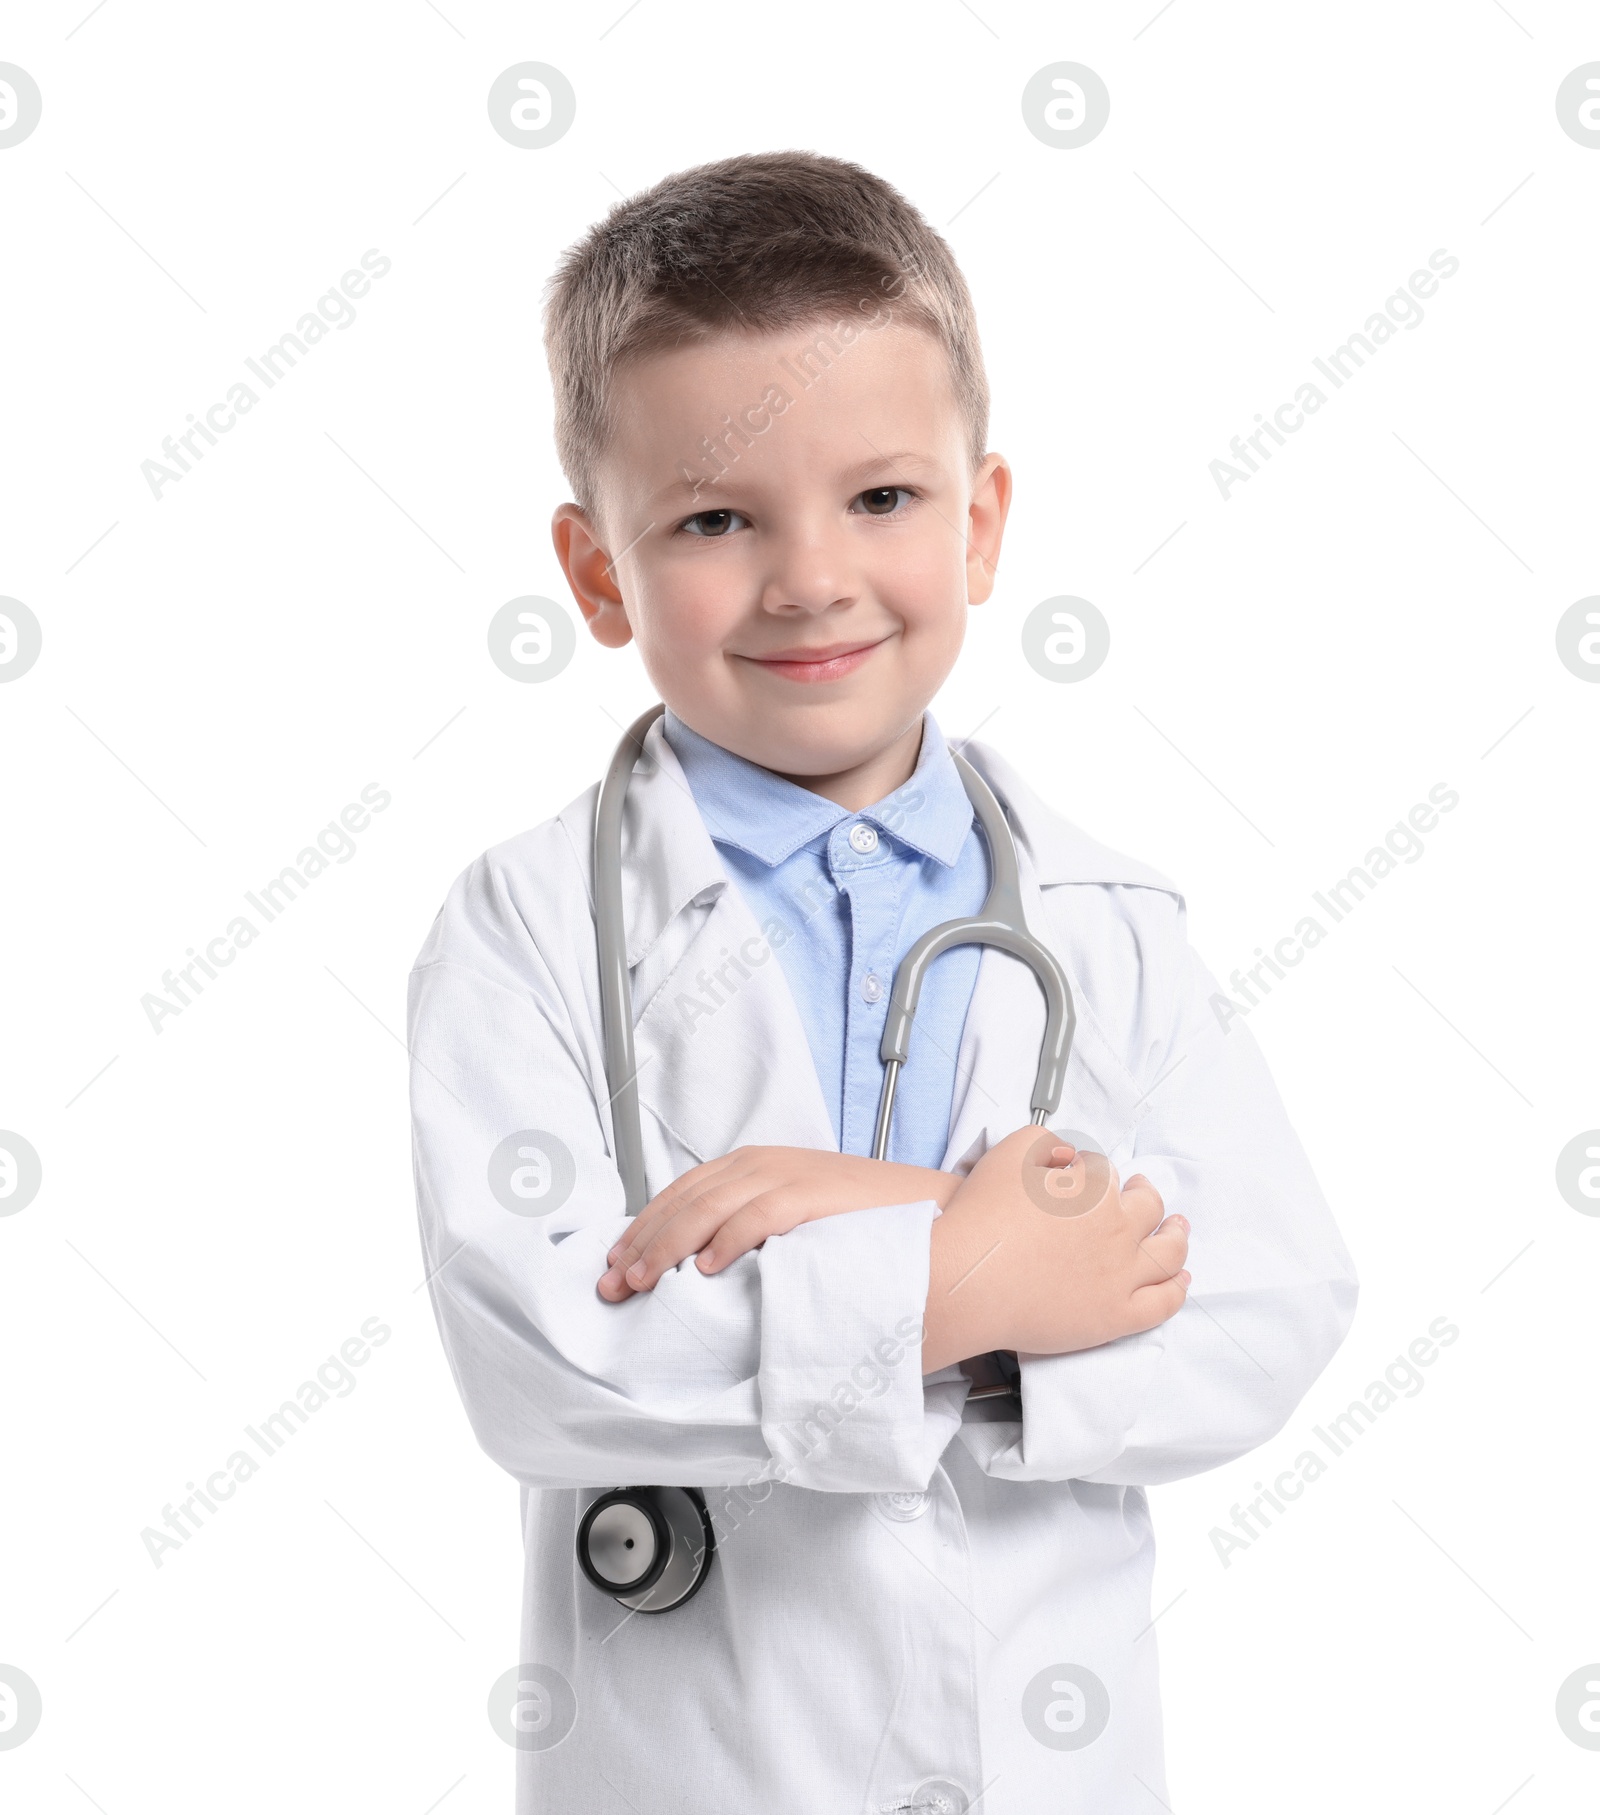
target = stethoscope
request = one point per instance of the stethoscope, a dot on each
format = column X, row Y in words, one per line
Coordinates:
column 650, row 1548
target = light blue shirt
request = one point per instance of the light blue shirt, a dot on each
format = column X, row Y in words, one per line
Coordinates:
column 852, row 892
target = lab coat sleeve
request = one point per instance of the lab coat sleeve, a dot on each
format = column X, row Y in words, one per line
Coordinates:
column 1273, row 1289
column 799, row 1363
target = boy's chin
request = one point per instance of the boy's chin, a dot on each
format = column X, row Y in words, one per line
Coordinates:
column 815, row 737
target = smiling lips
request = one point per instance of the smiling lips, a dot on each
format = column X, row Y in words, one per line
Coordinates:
column 829, row 662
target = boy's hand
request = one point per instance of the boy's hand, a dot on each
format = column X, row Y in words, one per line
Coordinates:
column 1046, row 1260
column 728, row 1206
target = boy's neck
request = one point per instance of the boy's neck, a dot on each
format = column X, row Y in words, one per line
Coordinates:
column 869, row 782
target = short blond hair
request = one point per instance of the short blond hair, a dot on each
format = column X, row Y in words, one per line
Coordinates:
column 766, row 240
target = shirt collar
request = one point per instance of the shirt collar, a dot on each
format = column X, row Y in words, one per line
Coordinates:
column 759, row 812
column 669, row 860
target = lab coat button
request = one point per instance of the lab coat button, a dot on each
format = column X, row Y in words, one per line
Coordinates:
column 938, row 1796
column 863, row 838
column 903, row 1506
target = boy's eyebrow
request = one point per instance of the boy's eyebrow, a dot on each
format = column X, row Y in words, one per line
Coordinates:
column 873, row 464
column 908, row 457
column 691, row 486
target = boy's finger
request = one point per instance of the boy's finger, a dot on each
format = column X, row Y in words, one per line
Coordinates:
column 675, row 1239
column 612, row 1287
column 1164, row 1251
column 1075, row 1189
column 669, row 1199
column 1143, row 1203
column 641, row 1227
column 708, row 1195
column 744, row 1232
column 627, row 1250
column 1152, row 1305
column 631, row 1243
column 673, row 1243
column 657, row 1215
column 684, row 1235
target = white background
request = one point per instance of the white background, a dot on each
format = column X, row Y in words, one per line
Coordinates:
column 1296, row 667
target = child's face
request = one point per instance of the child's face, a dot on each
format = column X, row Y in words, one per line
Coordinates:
column 800, row 593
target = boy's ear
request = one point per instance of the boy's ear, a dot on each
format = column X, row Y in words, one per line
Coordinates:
column 986, row 525
column 590, row 575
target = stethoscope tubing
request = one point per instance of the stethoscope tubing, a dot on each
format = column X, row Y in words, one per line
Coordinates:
column 616, row 1006
column 1001, row 922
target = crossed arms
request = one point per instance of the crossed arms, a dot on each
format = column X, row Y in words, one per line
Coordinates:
column 1040, row 1248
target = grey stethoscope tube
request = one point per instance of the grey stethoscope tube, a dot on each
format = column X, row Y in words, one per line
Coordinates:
column 1000, row 921
column 624, row 1527
column 616, row 1005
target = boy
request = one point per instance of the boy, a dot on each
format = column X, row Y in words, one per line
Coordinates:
column 771, row 406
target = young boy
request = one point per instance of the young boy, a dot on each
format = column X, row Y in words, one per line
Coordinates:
column 771, row 406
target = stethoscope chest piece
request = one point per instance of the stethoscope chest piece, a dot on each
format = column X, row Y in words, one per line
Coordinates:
column 649, row 1548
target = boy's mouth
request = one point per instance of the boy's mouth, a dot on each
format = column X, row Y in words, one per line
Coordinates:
column 824, row 662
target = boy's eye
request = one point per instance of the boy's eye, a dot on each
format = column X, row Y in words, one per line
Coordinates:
column 882, row 500
column 712, row 522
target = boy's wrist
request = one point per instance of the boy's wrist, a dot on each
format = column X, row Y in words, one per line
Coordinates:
column 925, row 1181
column 961, row 1318
column 890, row 1182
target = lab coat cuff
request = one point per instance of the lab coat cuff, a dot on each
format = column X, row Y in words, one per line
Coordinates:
column 1077, row 1409
column 842, row 1405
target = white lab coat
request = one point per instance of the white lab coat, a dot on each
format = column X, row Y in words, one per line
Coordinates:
column 891, row 1579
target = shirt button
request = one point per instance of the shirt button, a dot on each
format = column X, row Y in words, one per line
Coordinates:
column 872, row 987
column 863, row 838
column 902, row 1506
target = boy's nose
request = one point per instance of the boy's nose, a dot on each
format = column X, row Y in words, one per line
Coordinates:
column 812, row 573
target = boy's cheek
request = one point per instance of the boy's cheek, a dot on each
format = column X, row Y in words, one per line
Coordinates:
column 920, row 572
column 684, row 618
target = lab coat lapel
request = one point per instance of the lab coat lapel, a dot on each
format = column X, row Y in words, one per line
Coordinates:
column 724, row 1059
column 722, row 1056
